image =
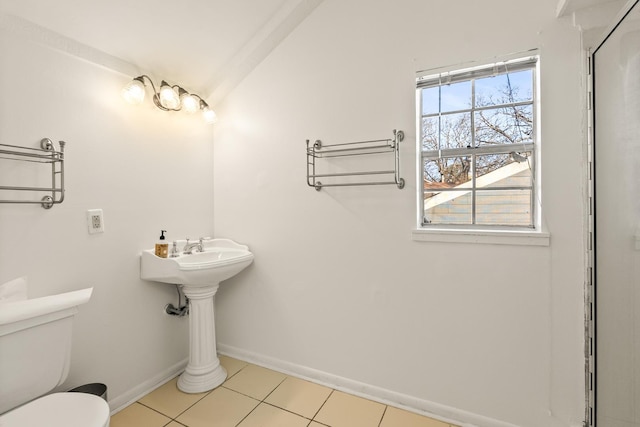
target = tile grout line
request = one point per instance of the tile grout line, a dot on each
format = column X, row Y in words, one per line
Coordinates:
column 250, row 412
column 383, row 414
column 240, row 393
column 154, row 410
column 174, row 421
column 190, row 406
column 274, row 389
column 259, row 402
column 287, row 410
column 197, row 401
column 264, row 400
column 322, row 406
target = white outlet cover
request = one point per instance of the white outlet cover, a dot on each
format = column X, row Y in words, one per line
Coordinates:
column 95, row 221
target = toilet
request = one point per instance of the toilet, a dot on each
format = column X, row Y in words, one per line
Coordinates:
column 60, row 409
column 35, row 349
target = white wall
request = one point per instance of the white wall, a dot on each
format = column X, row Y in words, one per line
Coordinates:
column 487, row 334
column 147, row 169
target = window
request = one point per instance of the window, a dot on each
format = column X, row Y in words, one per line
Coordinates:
column 477, row 147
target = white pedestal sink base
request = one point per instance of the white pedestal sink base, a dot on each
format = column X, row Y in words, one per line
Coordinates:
column 203, row 372
column 198, row 382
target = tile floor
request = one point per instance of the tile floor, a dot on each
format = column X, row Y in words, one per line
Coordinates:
column 253, row 396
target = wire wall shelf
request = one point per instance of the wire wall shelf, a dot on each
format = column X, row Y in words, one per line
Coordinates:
column 46, row 154
column 318, row 150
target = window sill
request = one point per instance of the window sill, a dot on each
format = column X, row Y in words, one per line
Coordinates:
column 497, row 237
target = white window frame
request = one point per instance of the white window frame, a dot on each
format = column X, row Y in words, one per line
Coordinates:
column 481, row 233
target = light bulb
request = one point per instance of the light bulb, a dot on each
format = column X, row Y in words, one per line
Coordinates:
column 133, row 92
column 168, row 97
column 209, row 115
column 190, row 103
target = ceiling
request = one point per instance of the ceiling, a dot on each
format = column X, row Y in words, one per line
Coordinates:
column 202, row 45
column 206, row 46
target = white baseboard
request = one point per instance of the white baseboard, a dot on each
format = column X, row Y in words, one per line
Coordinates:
column 123, row 400
column 423, row 407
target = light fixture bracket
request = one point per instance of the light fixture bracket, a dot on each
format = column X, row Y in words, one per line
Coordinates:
column 156, row 102
column 202, row 105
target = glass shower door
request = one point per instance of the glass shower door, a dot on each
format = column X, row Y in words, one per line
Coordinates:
column 616, row 95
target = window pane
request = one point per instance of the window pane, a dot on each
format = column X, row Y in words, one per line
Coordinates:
column 455, row 131
column 503, row 207
column 446, row 98
column 432, row 174
column 446, row 173
column 447, row 131
column 504, row 89
column 456, row 96
column 447, row 207
column 501, row 170
column 430, row 133
column 431, row 100
column 505, row 125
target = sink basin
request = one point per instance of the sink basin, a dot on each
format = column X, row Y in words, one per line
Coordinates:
column 199, row 276
column 221, row 259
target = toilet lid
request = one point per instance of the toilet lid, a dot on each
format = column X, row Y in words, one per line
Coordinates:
column 60, row 410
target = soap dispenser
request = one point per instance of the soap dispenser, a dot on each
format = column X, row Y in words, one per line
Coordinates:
column 162, row 247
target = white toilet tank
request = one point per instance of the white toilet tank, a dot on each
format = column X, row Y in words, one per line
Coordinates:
column 35, row 345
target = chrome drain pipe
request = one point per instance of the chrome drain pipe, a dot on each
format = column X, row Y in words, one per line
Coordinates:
column 180, row 310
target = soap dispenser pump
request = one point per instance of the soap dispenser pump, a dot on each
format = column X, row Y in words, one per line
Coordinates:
column 162, row 247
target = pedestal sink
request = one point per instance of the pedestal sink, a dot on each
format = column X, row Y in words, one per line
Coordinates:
column 199, row 275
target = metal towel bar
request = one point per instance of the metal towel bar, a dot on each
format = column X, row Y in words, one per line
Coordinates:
column 318, row 150
column 45, row 154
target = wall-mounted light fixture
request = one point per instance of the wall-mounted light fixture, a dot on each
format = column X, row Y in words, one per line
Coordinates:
column 168, row 98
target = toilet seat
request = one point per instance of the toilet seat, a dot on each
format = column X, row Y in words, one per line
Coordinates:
column 60, row 410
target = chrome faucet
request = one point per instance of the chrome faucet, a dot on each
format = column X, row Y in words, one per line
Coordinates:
column 188, row 248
